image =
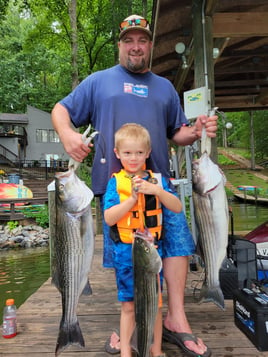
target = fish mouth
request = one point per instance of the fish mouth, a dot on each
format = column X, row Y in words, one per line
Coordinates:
column 60, row 175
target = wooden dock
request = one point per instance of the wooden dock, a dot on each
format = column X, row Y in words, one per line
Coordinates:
column 39, row 317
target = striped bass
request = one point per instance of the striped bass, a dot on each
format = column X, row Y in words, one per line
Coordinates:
column 211, row 213
column 73, row 248
column 147, row 265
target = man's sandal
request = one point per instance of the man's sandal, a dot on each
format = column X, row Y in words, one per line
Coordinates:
column 178, row 339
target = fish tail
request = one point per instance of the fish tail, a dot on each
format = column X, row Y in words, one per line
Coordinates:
column 87, row 289
column 213, row 294
column 69, row 335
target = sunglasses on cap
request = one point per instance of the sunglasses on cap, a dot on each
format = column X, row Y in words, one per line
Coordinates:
column 132, row 23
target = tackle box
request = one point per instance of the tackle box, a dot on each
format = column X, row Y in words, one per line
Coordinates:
column 251, row 316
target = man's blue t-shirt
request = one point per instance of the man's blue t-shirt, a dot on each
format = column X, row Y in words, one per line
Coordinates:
column 110, row 98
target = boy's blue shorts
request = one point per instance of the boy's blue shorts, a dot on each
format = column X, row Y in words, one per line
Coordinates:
column 123, row 266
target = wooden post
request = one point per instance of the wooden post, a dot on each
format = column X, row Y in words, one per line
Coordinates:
column 52, row 221
column 98, row 216
column 256, row 194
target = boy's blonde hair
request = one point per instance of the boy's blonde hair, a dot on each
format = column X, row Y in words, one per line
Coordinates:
column 132, row 131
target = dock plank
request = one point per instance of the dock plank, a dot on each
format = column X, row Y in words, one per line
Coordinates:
column 39, row 318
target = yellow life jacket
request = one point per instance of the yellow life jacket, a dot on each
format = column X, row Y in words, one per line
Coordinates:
column 147, row 211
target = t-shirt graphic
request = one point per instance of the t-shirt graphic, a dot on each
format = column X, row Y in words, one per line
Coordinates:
column 137, row 89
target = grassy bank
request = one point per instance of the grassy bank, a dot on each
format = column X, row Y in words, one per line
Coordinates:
column 243, row 176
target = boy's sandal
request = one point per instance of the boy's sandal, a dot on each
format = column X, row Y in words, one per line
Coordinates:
column 108, row 348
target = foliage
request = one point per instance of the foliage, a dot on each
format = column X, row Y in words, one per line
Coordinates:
column 84, row 173
column 37, row 42
column 247, row 178
column 239, row 136
column 3, row 7
column 241, row 152
column 36, row 49
column 39, row 213
column 261, row 133
column 223, row 160
column 12, row 225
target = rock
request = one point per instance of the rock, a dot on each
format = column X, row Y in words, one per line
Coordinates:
column 23, row 237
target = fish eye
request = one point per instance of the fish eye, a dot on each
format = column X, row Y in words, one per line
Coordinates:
column 61, row 186
column 146, row 249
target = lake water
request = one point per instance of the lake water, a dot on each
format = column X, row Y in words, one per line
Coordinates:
column 22, row 272
column 246, row 217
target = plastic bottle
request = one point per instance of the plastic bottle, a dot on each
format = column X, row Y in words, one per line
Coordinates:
column 10, row 319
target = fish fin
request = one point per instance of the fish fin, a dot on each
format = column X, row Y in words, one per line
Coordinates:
column 213, row 294
column 87, row 289
column 55, row 280
column 134, row 341
column 69, row 335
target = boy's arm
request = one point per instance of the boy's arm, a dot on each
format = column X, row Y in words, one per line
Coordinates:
column 168, row 199
column 113, row 214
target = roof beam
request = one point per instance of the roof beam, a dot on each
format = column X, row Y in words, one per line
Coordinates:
column 240, row 102
column 263, row 97
column 240, row 24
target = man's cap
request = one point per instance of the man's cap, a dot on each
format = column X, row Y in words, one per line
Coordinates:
column 134, row 22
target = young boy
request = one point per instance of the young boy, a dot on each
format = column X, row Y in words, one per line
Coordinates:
column 132, row 148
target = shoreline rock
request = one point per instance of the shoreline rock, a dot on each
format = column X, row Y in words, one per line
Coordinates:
column 28, row 236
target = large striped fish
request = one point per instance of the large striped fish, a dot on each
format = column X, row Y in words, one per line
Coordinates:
column 146, row 264
column 211, row 213
column 73, row 247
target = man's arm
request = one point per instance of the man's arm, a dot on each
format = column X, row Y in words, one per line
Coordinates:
column 71, row 140
column 186, row 135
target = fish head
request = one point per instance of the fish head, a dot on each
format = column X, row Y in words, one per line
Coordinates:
column 71, row 192
column 146, row 255
column 206, row 174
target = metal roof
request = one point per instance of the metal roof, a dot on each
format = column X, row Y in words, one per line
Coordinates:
column 6, row 118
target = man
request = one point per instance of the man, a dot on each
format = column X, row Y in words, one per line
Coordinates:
column 130, row 92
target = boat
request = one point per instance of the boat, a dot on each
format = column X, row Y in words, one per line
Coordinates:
column 259, row 236
column 12, row 190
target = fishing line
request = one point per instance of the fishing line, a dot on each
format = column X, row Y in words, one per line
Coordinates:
column 102, row 147
column 196, row 284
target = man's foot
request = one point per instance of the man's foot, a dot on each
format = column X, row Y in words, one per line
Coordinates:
column 112, row 344
column 190, row 344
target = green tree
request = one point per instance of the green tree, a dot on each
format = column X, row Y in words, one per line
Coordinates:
column 239, row 135
column 260, row 120
column 47, row 47
column 3, row 7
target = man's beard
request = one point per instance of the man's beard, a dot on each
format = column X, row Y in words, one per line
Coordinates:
column 137, row 67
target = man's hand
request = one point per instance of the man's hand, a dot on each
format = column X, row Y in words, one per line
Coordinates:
column 74, row 146
column 71, row 140
column 186, row 135
column 210, row 125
